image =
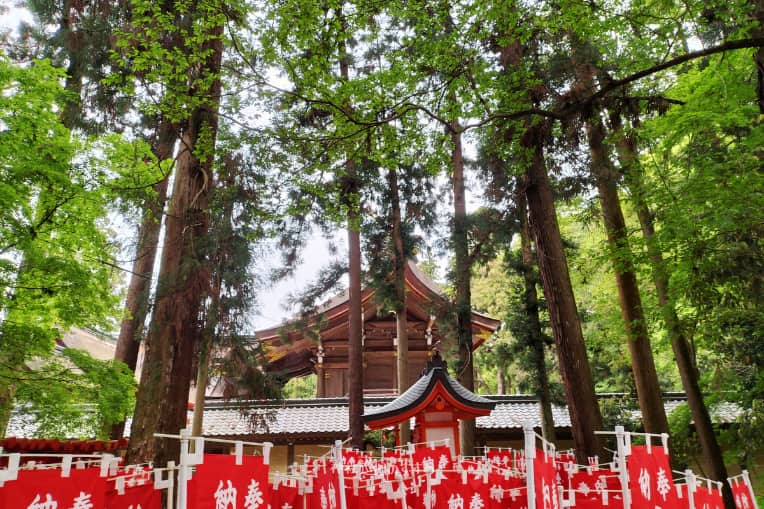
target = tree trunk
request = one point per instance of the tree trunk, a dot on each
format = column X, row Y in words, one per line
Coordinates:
column 355, row 325
column 183, row 281
column 355, row 332
column 682, row 352
column 642, row 362
column 466, row 374
column 530, row 301
column 202, row 378
column 583, row 407
column 137, row 302
column 401, row 320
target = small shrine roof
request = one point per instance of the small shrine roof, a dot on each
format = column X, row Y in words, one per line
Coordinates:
column 416, row 397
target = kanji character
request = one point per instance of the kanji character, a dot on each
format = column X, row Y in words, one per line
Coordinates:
column 663, row 483
column 644, row 483
column 332, row 497
column 476, row 502
column 601, row 484
column 546, row 493
column 225, row 497
column 82, row 501
column 455, row 501
column 496, row 493
column 254, row 497
column 49, row 503
column 584, row 488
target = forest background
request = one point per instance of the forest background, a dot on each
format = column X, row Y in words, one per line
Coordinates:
column 614, row 167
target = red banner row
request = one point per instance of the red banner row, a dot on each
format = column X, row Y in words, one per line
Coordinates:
column 428, row 478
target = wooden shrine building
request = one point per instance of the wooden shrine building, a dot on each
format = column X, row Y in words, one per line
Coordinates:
column 320, row 344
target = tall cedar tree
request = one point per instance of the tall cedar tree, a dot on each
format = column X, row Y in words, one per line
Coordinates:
column 642, row 364
column 627, row 154
column 183, row 282
column 558, row 291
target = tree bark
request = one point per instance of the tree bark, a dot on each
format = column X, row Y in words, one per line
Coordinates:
column 355, row 332
column 530, row 302
column 137, row 302
column 642, row 363
column 355, row 325
column 183, row 281
column 583, row 407
column 401, row 320
column 466, row 374
column 682, row 352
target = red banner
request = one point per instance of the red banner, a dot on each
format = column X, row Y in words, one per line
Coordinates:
column 742, row 494
column 135, row 497
column 46, row 489
column 545, row 480
column 285, row 497
column 221, row 484
column 598, row 489
column 706, row 498
column 650, row 481
column 433, row 458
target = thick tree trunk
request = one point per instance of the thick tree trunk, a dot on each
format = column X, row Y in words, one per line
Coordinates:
column 401, row 320
column 642, row 362
column 137, row 302
column 466, row 374
column 584, row 409
column 183, row 281
column 682, row 352
column 531, row 304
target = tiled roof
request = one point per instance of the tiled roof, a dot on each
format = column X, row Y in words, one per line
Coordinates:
column 291, row 417
column 329, row 416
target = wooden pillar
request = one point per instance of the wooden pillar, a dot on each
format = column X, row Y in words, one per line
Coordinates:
column 320, row 381
column 290, row 456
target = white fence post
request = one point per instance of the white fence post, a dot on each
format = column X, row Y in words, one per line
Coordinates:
column 340, row 472
column 530, row 454
column 624, row 449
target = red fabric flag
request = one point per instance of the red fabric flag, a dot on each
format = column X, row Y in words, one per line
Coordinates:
column 438, row 458
column 742, row 494
column 501, row 458
column 285, row 497
column 46, row 489
column 506, row 492
column 325, row 493
column 706, row 498
column 599, row 489
column 221, row 484
column 135, row 497
column 545, row 481
column 650, row 482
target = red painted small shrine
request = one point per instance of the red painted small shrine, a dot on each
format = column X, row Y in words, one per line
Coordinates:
column 436, row 402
